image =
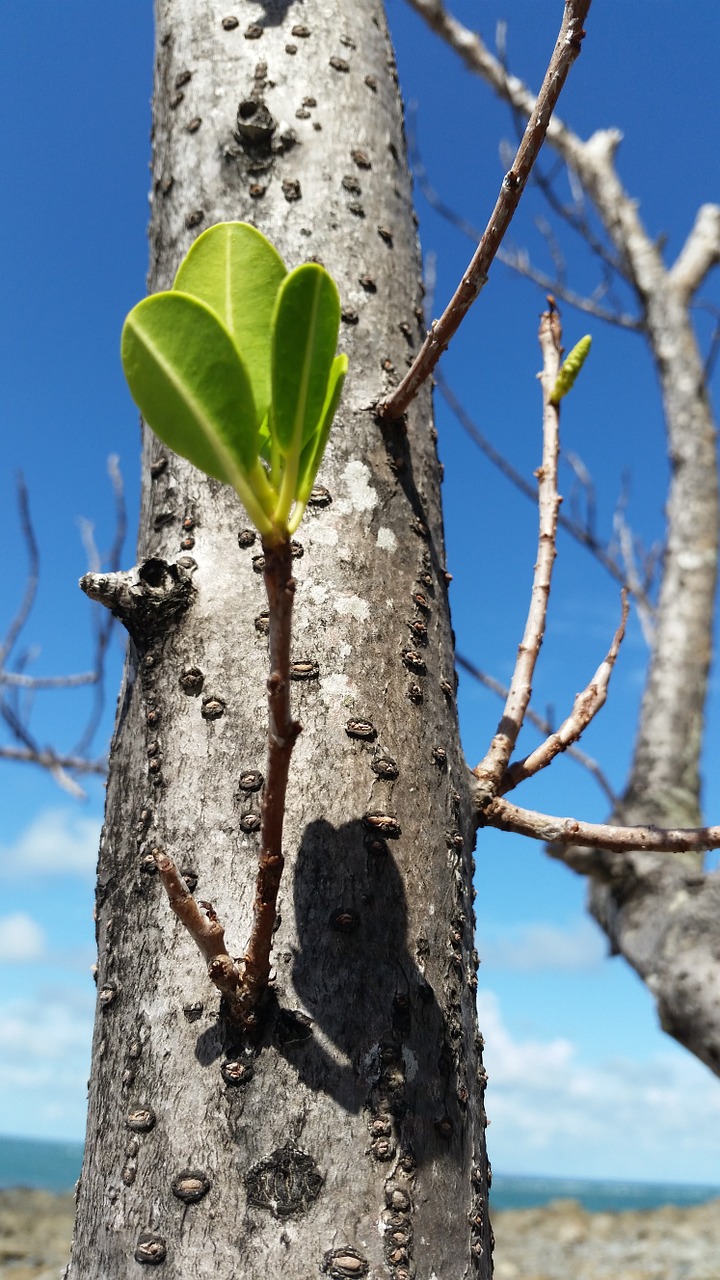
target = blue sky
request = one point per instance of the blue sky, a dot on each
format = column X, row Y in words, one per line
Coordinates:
column 581, row 1080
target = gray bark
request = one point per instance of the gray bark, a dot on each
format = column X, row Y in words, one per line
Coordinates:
column 349, row 1138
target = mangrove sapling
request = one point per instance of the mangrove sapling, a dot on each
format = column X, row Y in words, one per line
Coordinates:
column 235, row 368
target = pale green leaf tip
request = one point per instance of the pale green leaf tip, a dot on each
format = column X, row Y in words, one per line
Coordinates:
column 570, row 369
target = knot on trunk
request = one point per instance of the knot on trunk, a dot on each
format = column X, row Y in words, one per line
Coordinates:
column 146, row 599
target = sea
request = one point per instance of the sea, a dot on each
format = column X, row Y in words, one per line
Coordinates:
column 55, row 1166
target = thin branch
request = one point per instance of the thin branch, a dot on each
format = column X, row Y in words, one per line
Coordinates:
column 492, row 768
column 587, row 487
column 61, row 767
column 28, row 599
column 714, row 345
column 566, row 51
column 16, row 715
column 699, row 254
column 51, row 760
column 541, row 723
column 205, row 929
column 33, row 753
column 21, row 681
column 574, row 216
column 493, row 455
column 477, row 58
column 596, row 835
column 626, row 543
column 585, row 707
column 584, row 536
column 592, row 161
column 104, row 621
column 517, row 260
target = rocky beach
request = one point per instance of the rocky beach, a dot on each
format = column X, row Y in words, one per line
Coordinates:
column 560, row 1241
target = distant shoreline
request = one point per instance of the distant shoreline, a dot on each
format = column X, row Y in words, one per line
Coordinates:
column 559, row 1241
column 55, row 1166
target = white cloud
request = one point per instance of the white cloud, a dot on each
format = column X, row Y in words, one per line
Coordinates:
column 57, row 842
column 44, row 1063
column 545, row 946
column 552, row 1113
column 21, row 939
column 33, row 1032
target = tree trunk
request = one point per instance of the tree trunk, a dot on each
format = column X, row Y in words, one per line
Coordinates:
column 348, row 1138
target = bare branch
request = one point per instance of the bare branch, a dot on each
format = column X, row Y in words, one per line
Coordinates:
column 626, row 543
column 699, row 254
column 28, row 599
column 441, row 331
column 596, row 835
column 519, row 262
column 541, row 723
column 516, row 259
column 586, row 706
column 714, row 344
column 592, row 161
column 586, row 486
column 21, row 681
column 205, row 929
column 48, row 759
column 16, row 714
column 477, row 58
column 579, row 532
column 492, row 768
column 104, row 620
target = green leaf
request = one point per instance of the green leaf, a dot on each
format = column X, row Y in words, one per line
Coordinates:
column 305, row 333
column 237, row 273
column 570, row 369
column 189, row 382
column 314, row 450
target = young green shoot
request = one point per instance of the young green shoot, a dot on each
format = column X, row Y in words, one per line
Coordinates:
column 570, row 368
column 235, row 368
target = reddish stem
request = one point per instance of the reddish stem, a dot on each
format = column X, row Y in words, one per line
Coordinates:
column 282, row 733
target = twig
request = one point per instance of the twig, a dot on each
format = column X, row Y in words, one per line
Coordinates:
column 21, row 681
column 16, row 715
column 51, row 760
column 492, row 768
column 585, row 708
column 574, row 216
column 699, row 254
column 596, row 835
column 104, row 620
column 28, row 599
column 541, row 723
column 517, row 260
column 566, row 51
column 204, row 927
column 579, row 532
column 624, row 536
column 714, row 344
column 586, row 486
